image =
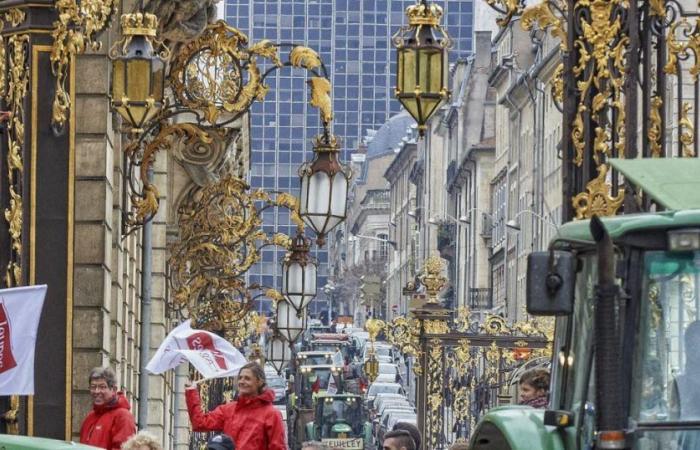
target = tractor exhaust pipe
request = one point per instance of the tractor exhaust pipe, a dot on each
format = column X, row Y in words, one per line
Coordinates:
column 609, row 412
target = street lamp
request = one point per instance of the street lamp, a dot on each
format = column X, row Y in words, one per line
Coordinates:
column 278, row 353
column 324, row 188
column 355, row 237
column 463, row 219
column 299, row 274
column 371, row 366
column 290, row 323
column 514, row 224
column 422, row 56
column 138, row 71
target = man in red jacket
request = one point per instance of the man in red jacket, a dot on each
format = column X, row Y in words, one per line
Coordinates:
column 110, row 422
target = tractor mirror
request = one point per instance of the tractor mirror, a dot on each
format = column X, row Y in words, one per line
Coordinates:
column 551, row 277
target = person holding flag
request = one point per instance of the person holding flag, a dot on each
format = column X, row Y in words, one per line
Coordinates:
column 252, row 420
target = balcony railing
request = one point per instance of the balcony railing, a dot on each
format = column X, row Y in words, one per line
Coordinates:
column 480, row 298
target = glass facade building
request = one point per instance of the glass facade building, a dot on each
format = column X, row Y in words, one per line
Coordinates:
column 353, row 38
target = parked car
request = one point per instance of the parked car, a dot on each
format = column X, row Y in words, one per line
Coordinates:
column 388, row 421
column 387, row 409
column 383, row 388
column 395, row 405
column 382, row 398
column 388, row 373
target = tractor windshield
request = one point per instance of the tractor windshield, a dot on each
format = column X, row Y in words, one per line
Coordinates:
column 667, row 381
column 340, row 417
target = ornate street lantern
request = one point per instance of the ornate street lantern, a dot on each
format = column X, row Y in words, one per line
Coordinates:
column 422, row 70
column 324, row 188
column 278, row 353
column 138, row 70
column 290, row 323
column 299, row 274
column 371, row 367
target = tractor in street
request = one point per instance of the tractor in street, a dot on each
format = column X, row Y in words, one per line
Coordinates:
column 625, row 291
column 340, row 422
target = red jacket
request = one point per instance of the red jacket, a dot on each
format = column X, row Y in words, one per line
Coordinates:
column 252, row 422
column 108, row 426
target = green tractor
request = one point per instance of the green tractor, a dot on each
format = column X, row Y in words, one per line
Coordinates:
column 625, row 291
column 340, row 422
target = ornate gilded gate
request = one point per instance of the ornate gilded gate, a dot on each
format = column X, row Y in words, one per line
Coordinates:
column 627, row 85
column 463, row 367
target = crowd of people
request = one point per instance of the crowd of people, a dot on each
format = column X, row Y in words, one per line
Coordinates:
column 251, row 422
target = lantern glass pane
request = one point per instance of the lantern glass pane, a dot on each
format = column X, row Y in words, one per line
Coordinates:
column 310, row 280
column 138, row 76
column 158, row 83
column 411, row 105
column 407, row 70
column 278, row 354
column 118, row 80
column 319, row 193
column 430, row 70
column 340, row 195
column 294, row 282
column 303, row 199
column 288, row 324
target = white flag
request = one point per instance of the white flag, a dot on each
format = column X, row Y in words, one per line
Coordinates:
column 20, row 311
column 212, row 355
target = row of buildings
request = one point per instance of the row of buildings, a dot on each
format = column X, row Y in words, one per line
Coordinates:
column 482, row 189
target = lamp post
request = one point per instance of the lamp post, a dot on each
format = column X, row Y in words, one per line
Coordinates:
column 329, row 290
column 136, row 93
column 422, row 57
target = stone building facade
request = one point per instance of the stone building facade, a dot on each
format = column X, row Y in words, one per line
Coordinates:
column 74, row 236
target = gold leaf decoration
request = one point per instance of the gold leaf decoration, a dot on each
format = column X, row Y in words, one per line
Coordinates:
column 215, row 93
column 542, row 15
column 76, row 28
column 18, row 47
column 686, row 131
column 305, row 57
column 654, row 132
column 597, row 199
column 321, row 97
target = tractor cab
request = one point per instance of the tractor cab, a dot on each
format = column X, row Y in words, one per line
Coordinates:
column 339, row 422
column 625, row 293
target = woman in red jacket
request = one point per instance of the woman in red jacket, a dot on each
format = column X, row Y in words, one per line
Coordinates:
column 252, row 421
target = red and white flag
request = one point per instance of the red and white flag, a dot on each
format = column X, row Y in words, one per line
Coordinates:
column 20, row 311
column 212, row 355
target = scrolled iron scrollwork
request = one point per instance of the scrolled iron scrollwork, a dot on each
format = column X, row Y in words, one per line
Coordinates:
column 221, row 236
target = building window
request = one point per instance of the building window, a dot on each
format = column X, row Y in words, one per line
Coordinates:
column 383, row 246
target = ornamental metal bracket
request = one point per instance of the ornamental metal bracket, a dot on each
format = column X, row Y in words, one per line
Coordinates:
column 214, row 80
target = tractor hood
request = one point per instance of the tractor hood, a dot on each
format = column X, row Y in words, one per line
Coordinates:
column 515, row 427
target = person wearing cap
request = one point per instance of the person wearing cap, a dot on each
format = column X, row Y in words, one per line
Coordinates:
column 252, row 421
column 220, row 442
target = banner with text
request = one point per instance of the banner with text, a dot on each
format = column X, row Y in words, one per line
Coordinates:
column 212, row 355
column 20, row 311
